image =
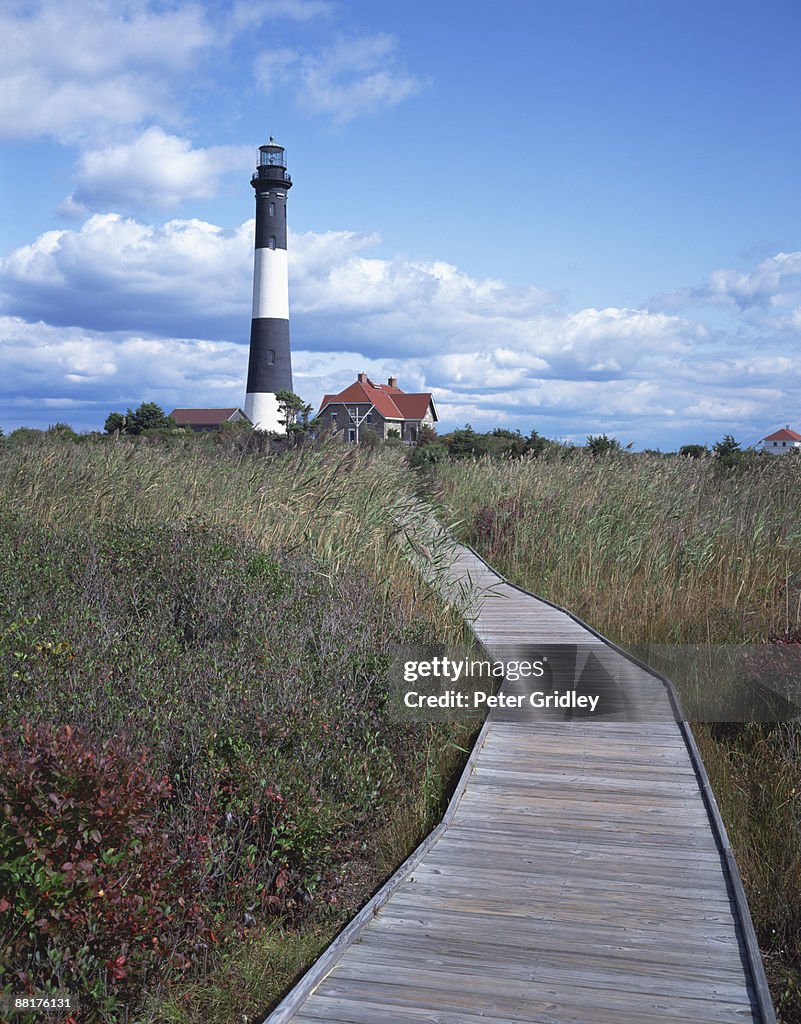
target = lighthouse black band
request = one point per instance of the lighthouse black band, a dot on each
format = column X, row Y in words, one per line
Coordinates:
column 270, row 220
column 270, row 365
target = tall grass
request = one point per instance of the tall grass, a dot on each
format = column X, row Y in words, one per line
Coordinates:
column 755, row 771
column 646, row 548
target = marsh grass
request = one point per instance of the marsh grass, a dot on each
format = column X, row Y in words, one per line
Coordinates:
column 655, row 551
column 648, row 548
column 755, row 771
column 229, row 618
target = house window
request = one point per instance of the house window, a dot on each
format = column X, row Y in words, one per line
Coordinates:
column 369, row 418
column 784, row 444
column 271, row 356
column 271, row 242
column 272, row 209
column 352, row 434
column 334, row 418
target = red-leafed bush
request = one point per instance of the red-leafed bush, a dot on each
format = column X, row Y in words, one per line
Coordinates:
column 100, row 898
column 87, row 872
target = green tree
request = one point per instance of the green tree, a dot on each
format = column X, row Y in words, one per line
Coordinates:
column 115, row 421
column 504, row 442
column 693, row 451
column 601, row 444
column 296, row 417
column 536, row 444
column 727, row 451
column 148, row 416
column 464, row 443
column 63, row 431
column 426, row 435
column 290, row 406
column 26, row 435
column 428, row 455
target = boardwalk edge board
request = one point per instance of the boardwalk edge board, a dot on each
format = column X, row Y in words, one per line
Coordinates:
column 328, row 960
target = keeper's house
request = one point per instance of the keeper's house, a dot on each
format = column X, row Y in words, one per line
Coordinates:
column 207, row 419
column 381, row 408
column 782, row 442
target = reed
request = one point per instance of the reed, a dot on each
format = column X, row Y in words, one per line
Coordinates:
column 647, row 548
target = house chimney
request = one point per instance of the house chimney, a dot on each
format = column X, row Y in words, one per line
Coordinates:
column 393, row 382
column 362, row 378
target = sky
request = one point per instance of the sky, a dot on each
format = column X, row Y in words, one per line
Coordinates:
column 574, row 216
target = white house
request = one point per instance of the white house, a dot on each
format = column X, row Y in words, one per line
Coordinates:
column 782, row 442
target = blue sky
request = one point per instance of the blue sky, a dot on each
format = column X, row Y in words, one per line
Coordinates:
column 578, row 216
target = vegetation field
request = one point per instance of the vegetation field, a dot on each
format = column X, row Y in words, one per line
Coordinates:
column 199, row 780
column 667, row 549
column 199, row 777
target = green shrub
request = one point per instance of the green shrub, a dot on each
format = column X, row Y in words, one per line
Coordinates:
column 693, row 451
column 428, row 455
column 601, row 444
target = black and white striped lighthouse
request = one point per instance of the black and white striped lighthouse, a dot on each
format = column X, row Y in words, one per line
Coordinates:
column 270, row 363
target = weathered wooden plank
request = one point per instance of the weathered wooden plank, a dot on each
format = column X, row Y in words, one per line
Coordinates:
column 525, row 1003
column 482, row 973
column 708, row 968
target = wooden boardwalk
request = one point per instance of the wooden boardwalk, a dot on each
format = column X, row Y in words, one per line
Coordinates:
column 581, row 873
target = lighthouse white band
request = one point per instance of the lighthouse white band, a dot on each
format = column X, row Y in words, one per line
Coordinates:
column 261, row 409
column 271, row 284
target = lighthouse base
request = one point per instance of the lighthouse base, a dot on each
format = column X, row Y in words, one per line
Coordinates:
column 261, row 408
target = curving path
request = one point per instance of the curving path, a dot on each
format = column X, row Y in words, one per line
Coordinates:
column 581, row 873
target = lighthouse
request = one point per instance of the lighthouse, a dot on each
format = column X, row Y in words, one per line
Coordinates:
column 270, row 362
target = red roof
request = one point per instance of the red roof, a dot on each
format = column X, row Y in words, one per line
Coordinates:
column 785, row 434
column 202, row 417
column 388, row 399
column 414, row 407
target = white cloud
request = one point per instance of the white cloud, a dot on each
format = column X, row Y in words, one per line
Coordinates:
column 772, row 284
column 775, row 281
column 349, row 79
column 250, row 14
column 124, row 304
column 115, row 273
column 154, row 170
column 47, row 373
column 70, row 68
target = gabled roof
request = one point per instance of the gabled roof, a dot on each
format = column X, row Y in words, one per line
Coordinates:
column 204, row 417
column 414, row 407
column 388, row 400
column 785, row 434
column 360, row 393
